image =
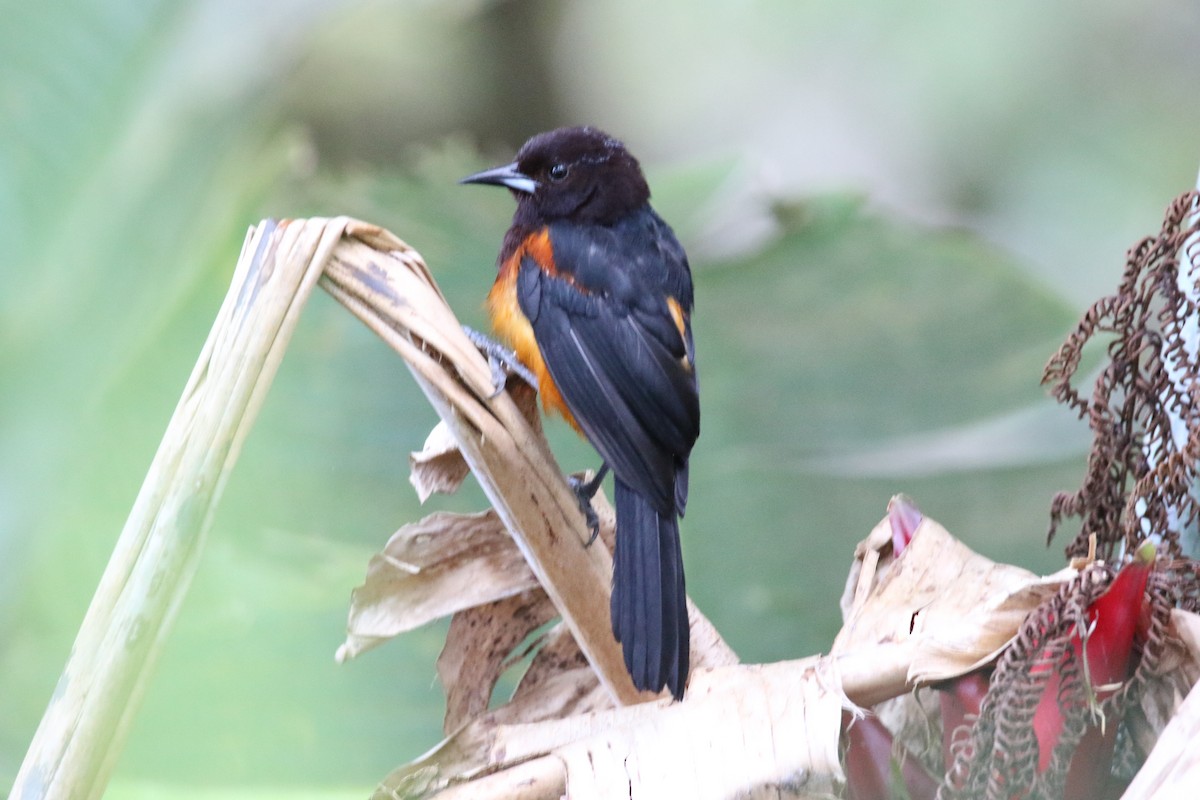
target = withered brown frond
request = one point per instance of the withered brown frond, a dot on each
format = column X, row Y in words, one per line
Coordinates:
column 1141, row 472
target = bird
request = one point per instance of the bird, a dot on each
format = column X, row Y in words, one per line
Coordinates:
column 593, row 294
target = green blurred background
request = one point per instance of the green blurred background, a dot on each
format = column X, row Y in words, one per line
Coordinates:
column 894, row 211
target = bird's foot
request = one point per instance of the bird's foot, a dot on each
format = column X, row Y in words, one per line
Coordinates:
column 502, row 361
column 584, row 492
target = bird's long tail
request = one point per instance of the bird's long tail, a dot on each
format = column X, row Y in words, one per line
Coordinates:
column 649, row 600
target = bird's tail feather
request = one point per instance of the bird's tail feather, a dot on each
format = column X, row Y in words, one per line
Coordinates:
column 649, row 600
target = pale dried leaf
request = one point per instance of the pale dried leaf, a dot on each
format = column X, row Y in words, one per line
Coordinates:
column 439, row 466
column 430, row 569
column 960, row 637
column 938, row 611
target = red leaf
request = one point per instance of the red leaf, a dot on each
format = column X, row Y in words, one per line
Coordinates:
column 870, row 754
column 1113, row 622
column 960, row 697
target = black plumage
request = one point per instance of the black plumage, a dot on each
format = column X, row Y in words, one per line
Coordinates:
column 605, row 288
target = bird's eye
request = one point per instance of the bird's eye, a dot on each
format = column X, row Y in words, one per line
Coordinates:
column 558, row 172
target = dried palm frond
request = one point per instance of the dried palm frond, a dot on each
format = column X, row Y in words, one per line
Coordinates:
column 1141, row 473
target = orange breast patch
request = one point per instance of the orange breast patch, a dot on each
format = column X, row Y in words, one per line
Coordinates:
column 512, row 326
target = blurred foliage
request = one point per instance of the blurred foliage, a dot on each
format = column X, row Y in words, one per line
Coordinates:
column 846, row 352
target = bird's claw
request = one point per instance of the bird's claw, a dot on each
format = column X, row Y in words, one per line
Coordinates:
column 584, row 492
column 502, row 361
column 580, row 487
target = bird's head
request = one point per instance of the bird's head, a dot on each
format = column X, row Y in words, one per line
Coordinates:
column 578, row 173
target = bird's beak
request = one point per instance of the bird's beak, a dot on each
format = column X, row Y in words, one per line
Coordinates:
column 508, row 175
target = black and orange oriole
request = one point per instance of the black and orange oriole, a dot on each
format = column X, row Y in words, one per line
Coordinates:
column 594, row 295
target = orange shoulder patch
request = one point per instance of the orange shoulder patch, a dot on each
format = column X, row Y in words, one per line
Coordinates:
column 680, row 318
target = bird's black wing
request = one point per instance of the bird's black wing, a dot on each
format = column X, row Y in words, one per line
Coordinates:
column 606, row 332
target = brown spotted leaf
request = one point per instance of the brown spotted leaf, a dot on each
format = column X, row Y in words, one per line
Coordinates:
column 477, row 651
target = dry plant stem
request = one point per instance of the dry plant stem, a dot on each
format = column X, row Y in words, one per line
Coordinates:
column 84, row 727
column 393, row 295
